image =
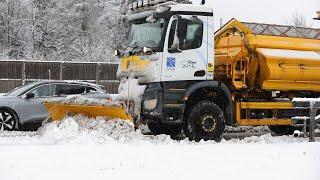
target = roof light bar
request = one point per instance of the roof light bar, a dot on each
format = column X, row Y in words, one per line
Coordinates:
column 140, row 4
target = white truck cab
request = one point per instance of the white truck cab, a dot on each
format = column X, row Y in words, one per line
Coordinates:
column 169, row 60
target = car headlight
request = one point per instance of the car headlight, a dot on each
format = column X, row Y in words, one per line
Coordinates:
column 150, row 104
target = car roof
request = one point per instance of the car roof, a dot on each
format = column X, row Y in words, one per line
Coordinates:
column 28, row 86
column 65, row 82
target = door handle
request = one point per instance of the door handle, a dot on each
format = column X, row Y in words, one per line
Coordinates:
column 200, row 73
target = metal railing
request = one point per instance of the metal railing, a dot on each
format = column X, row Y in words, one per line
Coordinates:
column 283, row 30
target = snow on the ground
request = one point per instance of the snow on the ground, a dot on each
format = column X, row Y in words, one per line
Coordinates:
column 1, row 94
column 82, row 148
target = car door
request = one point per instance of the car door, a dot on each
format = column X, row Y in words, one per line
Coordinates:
column 32, row 109
column 188, row 60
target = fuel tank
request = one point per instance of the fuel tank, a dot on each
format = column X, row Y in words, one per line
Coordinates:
column 270, row 57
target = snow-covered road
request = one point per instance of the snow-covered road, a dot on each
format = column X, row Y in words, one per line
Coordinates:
column 78, row 148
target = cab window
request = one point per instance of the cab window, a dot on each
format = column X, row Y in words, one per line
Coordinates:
column 190, row 32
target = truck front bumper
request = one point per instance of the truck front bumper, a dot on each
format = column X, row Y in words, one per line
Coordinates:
column 159, row 108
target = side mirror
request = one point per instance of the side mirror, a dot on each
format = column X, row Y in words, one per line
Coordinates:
column 175, row 47
column 29, row 95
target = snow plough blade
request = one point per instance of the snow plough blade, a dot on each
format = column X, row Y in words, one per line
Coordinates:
column 58, row 111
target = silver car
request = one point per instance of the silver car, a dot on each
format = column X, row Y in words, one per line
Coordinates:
column 22, row 108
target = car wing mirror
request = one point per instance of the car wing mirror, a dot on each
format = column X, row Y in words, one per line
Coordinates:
column 29, row 95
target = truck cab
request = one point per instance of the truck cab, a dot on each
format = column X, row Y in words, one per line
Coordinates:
column 177, row 73
column 170, row 56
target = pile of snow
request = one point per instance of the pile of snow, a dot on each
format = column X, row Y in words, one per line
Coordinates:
column 80, row 100
column 81, row 130
column 84, row 148
column 101, row 130
column 248, row 129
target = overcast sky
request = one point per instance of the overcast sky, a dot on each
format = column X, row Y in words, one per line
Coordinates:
column 263, row 11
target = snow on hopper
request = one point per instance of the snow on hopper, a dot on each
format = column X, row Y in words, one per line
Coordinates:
column 73, row 105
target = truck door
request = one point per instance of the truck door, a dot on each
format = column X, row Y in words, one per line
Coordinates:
column 185, row 54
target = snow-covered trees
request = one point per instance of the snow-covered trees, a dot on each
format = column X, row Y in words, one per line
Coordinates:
column 68, row 30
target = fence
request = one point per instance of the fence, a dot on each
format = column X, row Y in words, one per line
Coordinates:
column 17, row 73
column 313, row 121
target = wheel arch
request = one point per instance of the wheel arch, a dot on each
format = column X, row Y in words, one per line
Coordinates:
column 223, row 97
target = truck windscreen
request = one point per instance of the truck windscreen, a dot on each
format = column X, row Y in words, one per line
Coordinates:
column 143, row 34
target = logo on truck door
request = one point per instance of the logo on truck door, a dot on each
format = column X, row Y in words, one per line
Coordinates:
column 171, row 63
column 188, row 64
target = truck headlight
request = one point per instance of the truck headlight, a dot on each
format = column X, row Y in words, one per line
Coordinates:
column 150, row 104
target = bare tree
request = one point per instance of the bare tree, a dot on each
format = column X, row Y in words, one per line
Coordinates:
column 69, row 30
column 297, row 19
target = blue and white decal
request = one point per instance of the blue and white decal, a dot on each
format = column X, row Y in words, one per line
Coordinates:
column 171, row 63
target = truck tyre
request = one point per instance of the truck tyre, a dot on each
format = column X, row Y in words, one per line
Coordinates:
column 282, row 130
column 157, row 128
column 205, row 121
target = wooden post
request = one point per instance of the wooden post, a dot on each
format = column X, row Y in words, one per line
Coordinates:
column 49, row 74
column 97, row 72
column 61, row 71
column 23, row 73
column 312, row 121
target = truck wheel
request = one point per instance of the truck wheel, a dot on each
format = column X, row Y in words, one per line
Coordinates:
column 206, row 121
column 8, row 121
column 282, row 130
column 157, row 128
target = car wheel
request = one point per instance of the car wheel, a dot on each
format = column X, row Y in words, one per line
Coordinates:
column 8, row 121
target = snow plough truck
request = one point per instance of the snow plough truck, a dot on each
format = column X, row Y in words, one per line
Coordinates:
column 178, row 73
column 194, row 78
